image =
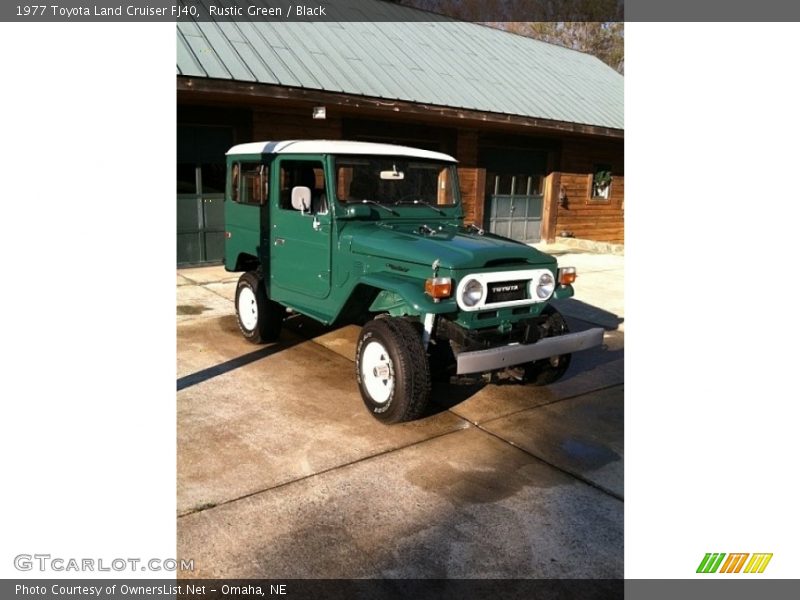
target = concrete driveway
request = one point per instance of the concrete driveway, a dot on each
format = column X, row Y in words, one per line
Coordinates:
column 283, row 473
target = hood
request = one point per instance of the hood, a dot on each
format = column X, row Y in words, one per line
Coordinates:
column 455, row 246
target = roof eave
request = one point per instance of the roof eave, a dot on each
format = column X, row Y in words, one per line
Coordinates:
column 255, row 91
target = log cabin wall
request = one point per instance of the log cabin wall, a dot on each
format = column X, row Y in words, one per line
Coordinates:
column 472, row 183
column 578, row 214
column 288, row 124
column 471, row 177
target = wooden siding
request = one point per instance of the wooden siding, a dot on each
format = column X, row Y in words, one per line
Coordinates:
column 429, row 136
column 473, row 188
column 550, row 191
column 294, row 125
column 581, row 215
column 472, row 180
column 467, row 148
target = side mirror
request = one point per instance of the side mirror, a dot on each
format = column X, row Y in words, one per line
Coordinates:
column 301, row 198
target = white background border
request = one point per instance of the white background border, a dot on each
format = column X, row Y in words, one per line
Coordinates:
column 711, row 203
column 88, row 292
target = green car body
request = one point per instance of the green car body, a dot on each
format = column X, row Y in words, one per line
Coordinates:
column 343, row 258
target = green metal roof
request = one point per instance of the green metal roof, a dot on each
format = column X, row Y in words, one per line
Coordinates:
column 447, row 63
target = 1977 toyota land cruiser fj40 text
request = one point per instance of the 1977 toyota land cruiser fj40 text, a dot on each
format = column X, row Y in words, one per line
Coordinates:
column 354, row 232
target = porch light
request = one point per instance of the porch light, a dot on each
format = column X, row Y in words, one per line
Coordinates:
column 563, row 201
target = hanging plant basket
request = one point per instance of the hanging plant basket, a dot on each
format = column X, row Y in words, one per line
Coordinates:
column 602, row 179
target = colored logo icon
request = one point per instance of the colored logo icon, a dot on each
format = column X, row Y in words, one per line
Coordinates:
column 734, row 563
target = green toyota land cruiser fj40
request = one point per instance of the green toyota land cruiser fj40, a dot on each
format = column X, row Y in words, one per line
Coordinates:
column 374, row 234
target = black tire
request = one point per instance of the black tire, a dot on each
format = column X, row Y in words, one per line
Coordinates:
column 549, row 370
column 259, row 318
column 404, row 393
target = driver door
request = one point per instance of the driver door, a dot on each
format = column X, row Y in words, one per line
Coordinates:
column 300, row 241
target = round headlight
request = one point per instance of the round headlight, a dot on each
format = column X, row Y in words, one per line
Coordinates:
column 545, row 286
column 472, row 292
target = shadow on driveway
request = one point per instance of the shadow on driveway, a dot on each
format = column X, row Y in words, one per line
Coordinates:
column 229, row 365
column 447, row 394
column 578, row 309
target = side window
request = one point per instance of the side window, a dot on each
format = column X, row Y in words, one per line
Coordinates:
column 307, row 173
column 356, row 181
column 250, row 183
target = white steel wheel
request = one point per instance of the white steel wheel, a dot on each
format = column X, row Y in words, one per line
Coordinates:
column 377, row 372
column 247, row 307
column 392, row 370
column 259, row 318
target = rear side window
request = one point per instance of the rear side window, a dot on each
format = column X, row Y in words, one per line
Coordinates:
column 250, row 183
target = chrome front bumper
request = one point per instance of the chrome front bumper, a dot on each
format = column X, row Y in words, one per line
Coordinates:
column 517, row 354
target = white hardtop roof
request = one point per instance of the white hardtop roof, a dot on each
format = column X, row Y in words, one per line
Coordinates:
column 335, row 147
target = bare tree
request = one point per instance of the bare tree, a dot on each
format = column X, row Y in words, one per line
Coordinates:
column 606, row 41
column 597, row 27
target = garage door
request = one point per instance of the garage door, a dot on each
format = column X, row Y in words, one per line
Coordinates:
column 201, row 193
column 516, row 206
column 514, row 179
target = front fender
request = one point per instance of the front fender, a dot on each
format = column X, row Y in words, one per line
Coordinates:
column 404, row 295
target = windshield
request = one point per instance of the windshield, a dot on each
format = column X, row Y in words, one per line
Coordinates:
column 393, row 181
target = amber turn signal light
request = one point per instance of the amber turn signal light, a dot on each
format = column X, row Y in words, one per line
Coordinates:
column 567, row 275
column 439, row 287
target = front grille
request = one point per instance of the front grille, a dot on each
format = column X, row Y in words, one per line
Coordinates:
column 507, row 291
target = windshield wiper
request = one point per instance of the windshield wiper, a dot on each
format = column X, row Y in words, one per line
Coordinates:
column 421, row 203
column 374, row 203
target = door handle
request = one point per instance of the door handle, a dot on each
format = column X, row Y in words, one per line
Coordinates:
column 280, row 241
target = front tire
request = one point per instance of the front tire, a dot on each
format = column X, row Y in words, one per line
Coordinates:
column 549, row 370
column 392, row 370
column 260, row 319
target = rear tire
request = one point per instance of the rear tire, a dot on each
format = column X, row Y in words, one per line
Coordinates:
column 260, row 319
column 392, row 370
column 549, row 370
